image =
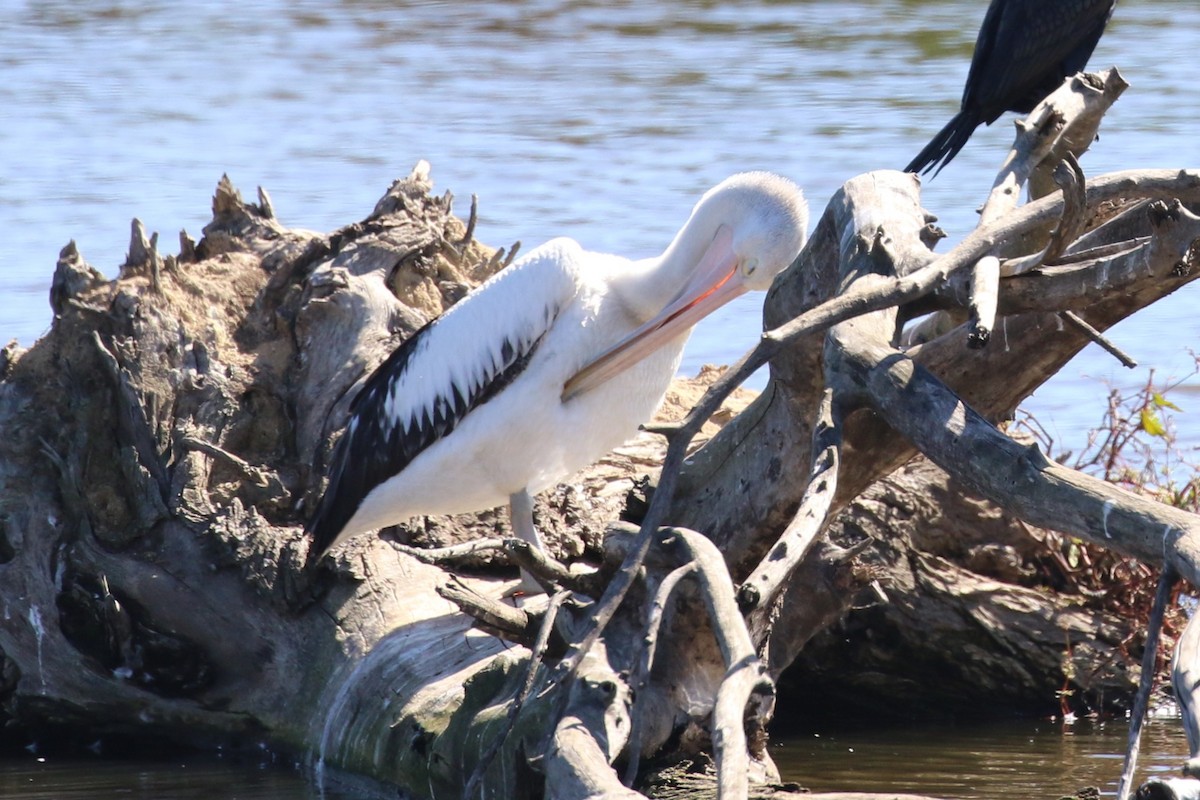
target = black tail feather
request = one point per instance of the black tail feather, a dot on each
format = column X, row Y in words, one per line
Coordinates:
column 945, row 145
column 326, row 524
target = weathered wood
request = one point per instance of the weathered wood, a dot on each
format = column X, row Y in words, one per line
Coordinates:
column 588, row 736
column 760, row 592
column 1169, row 789
column 537, row 653
column 761, row 444
column 1064, row 124
column 1185, row 681
column 745, row 678
column 940, row 424
column 1019, row 477
column 967, row 615
column 640, row 681
column 712, row 487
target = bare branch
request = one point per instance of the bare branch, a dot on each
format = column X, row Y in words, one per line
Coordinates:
column 984, row 293
column 1185, row 680
column 641, row 676
column 440, row 556
column 1020, row 478
column 1141, row 704
column 760, row 590
column 744, row 676
column 1079, row 103
column 588, row 735
column 1099, row 338
column 1064, row 122
column 536, row 653
column 503, row 621
column 1092, row 94
column 1081, row 279
column 1069, row 178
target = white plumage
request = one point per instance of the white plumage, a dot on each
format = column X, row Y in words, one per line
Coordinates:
column 546, row 366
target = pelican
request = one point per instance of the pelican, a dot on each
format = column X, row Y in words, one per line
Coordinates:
column 545, row 367
column 1024, row 51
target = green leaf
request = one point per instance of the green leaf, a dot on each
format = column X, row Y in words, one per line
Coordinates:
column 1151, row 424
column 1162, row 402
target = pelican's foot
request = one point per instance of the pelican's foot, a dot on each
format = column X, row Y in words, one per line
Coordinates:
column 525, row 589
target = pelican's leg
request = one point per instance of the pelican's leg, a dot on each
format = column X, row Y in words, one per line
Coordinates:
column 520, row 515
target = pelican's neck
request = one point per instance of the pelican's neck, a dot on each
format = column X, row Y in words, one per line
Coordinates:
column 647, row 285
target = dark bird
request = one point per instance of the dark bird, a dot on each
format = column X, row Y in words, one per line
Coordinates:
column 545, row 367
column 1025, row 50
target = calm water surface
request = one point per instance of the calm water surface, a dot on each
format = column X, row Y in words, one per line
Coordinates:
column 1027, row 760
column 599, row 120
column 595, row 119
column 176, row 779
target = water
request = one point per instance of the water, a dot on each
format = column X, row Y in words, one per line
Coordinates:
column 1033, row 760
column 595, row 119
column 1022, row 760
column 198, row 778
column 599, row 120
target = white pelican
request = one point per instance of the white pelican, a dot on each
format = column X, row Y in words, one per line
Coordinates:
column 545, row 367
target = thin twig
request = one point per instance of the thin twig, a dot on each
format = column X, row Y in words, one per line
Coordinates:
column 1141, row 702
column 1099, row 338
column 1023, row 264
column 537, row 653
column 438, row 556
column 471, row 220
column 256, row 474
column 1036, row 262
column 503, row 620
column 1103, row 251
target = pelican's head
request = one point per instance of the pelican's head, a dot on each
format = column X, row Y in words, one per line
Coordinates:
column 742, row 233
column 765, row 219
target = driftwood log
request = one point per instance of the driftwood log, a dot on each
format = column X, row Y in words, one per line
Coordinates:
column 165, row 441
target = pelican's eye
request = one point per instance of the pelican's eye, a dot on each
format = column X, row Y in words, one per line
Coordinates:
column 749, row 266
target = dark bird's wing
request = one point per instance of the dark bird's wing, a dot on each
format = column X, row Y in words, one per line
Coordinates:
column 451, row 366
column 1024, row 51
column 1026, row 48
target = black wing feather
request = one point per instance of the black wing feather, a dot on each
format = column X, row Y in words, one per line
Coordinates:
column 375, row 447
